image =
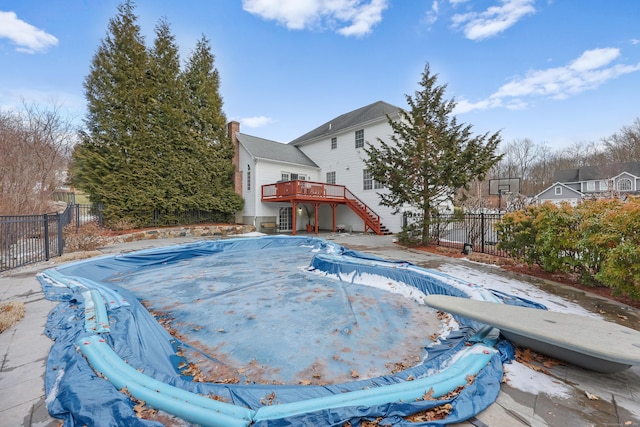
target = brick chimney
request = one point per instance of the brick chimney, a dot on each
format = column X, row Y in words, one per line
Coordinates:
column 233, row 128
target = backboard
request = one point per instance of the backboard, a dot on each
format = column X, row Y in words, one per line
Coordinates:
column 504, row 185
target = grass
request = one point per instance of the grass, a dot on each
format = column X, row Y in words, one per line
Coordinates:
column 10, row 313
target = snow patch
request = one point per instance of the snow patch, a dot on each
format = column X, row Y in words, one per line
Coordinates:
column 516, row 287
column 526, row 379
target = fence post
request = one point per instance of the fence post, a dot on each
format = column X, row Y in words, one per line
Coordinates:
column 77, row 216
column 482, row 224
column 46, row 237
column 60, row 238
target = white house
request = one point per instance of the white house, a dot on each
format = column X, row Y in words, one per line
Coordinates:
column 322, row 171
column 573, row 185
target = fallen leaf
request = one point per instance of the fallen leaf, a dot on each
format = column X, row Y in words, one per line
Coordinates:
column 591, row 396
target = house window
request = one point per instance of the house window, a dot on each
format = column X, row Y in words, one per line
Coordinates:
column 331, row 177
column 334, row 143
column 604, row 186
column 360, row 138
column 248, row 177
column 368, row 182
column 558, row 190
column 284, row 176
column 624, row 184
column 591, row 186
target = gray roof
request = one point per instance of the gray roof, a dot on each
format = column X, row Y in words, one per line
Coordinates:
column 377, row 110
column 552, row 187
column 271, row 150
column 591, row 173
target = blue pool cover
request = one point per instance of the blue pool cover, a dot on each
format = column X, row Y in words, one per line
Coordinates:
column 282, row 330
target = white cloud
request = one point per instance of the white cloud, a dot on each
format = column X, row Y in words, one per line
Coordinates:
column 590, row 70
column 432, row 15
column 351, row 17
column 494, row 20
column 255, row 122
column 596, row 58
column 28, row 38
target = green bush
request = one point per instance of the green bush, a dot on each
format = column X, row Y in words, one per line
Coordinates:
column 517, row 235
column 556, row 237
column 598, row 239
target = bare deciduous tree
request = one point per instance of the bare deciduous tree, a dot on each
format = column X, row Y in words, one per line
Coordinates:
column 624, row 146
column 35, row 144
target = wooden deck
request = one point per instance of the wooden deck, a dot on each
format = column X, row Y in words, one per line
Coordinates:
column 318, row 193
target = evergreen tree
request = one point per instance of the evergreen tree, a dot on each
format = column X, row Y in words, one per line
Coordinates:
column 107, row 162
column 430, row 155
column 155, row 137
column 211, row 146
column 168, row 123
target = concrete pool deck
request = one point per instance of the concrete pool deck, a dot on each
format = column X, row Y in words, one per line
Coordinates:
column 586, row 399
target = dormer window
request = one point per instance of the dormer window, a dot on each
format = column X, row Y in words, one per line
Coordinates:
column 558, row 190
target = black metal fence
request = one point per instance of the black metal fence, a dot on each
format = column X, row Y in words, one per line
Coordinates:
column 469, row 232
column 25, row 239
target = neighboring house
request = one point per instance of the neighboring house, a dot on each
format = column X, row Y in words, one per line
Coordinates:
column 573, row 185
column 322, row 171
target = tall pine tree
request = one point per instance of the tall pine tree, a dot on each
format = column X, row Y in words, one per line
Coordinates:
column 155, row 136
column 107, row 162
column 430, row 154
column 212, row 147
column 168, row 123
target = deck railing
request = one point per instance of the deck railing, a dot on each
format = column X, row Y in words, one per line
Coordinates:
column 302, row 189
column 309, row 191
column 371, row 218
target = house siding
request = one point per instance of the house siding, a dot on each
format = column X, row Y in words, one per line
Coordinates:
column 267, row 172
column 580, row 180
column 347, row 162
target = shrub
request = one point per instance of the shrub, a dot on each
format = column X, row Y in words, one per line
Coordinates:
column 599, row 239
column 517, row 235
column 556, row 237
column 88, row 237
column 621, row 270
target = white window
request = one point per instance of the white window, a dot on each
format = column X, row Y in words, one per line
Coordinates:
column 334, row 143
column 284, row 176
column 331, row 177
column 591, row 186
column 360, row 138
column 624, row 184
column 604, row 186
column 558, row 190
column 248, row 177
column 368, row 182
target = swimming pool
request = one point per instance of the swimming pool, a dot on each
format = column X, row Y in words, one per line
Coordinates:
column 274, row 330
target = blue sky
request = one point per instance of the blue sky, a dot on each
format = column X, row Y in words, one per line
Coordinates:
column 558, row 72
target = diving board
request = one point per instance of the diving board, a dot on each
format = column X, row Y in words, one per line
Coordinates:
column 587, row 342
